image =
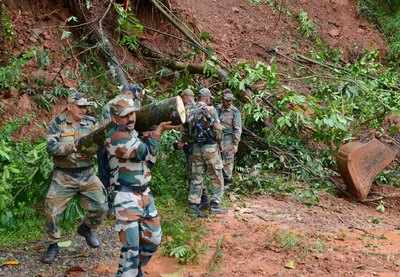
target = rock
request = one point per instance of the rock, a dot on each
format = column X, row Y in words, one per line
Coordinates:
column 235, row 9
column 334, row 32
column 46, row 35
column 33, row 39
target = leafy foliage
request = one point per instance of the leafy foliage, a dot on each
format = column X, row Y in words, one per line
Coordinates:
column 10, row 75
column 47, row 99
column 24, row 173
column 299, row 133
column 129, row 27
column 307, row 26
column 6, row 26
column 385, row 14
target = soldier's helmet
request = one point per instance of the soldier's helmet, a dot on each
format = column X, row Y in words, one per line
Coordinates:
column 123, row 106
column 205, row 92
column 187, row 92
column 229, row 96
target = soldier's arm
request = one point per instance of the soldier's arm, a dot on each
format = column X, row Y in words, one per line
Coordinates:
column 54, row 146
column 125, row 146
column 237, row 128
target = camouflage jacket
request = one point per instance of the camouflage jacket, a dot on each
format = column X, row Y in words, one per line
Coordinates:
column 199, row 112
column 231, row 125
column 185, row 130
column 61, row 137
column 130, row 158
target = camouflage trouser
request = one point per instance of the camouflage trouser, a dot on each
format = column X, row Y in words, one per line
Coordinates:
column 206, row 159
column 64, row 186
column 228, row 159
column 138, row 224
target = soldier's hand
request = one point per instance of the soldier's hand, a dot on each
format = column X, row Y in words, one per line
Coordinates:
column 178, row 145
column 70, row 148
column 164, row 126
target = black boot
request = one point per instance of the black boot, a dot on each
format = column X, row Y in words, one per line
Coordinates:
column 204, row 204
column 227, row 184
column 89, row 235
column 51, row 254
column 195, row 211
column 215, row 208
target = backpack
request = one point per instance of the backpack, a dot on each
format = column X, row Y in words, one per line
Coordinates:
column 200, row 126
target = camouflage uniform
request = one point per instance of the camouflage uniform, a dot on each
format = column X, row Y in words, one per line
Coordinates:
column 105, row 116
column 138, row 222
column 232, row 130
column 205, row 156
column 187, row 148
column 73, row 174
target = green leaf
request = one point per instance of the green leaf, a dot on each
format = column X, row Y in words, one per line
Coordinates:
column 65, row 35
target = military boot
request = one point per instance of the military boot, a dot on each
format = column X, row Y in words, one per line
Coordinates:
column 215, row 208
column 51, row 254
column 204, row 204
column 196, row 211
column 227, row 184
column 89, row 235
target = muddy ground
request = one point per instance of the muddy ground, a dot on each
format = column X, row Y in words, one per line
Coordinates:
column 264, row 236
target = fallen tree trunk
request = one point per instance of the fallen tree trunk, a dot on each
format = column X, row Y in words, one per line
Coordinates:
column 93, row 26
column 148, row 51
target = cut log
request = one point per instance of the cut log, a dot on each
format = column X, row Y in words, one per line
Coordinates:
column 170, row 109
column 359, row 164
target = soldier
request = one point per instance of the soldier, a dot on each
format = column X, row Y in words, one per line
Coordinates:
column 130, row 159
column 73, row 175
column 205, row 132
column 131, row 91
column 231, row 122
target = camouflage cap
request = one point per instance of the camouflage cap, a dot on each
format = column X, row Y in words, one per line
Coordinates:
column 229, row 96
column 205, row 92
column 227, row 90
column 187, row 92
column 123, row 106
column 77, row 99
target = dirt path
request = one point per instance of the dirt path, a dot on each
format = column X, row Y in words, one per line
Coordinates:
column 264, row 236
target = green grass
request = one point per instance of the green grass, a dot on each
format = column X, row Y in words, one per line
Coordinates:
column 22, row 232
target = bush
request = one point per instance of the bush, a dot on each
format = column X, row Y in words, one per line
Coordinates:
column 24, row 175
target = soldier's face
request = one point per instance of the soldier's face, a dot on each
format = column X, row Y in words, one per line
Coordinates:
column 226, row 103
column 206, row 99
column 129, row 120
column 187, row 99
column 77, row 112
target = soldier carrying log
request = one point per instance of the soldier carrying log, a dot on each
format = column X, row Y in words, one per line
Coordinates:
column 130, row 161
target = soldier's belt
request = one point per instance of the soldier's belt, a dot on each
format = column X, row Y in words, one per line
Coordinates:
column 227, row 131
column 137, row 189
column 74, row 170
